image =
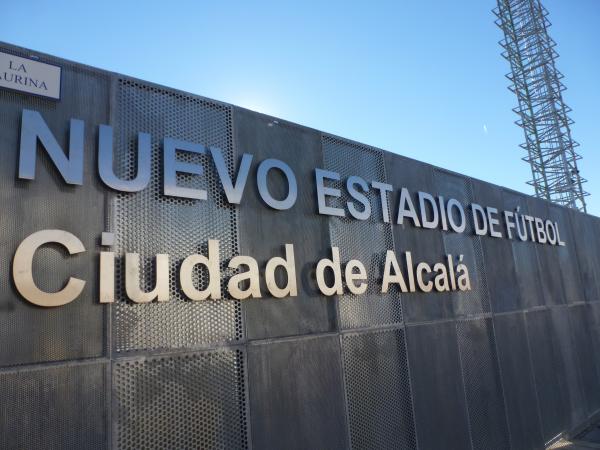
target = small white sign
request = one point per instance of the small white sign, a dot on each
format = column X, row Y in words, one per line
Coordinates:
column 27, row 75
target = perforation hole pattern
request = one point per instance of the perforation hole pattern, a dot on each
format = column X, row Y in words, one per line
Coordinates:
column 28, row 334
column 149, row 223
column 184, row 401
column 475, row 301
column 482, row 384
column 378, row 391
column 366, row 240
column 54, row 407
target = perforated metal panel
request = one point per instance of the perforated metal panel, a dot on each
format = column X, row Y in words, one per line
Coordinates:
column 483, row 386
column 502, row 284
column 524, row 418
column 424, row 244
column 440, row 408
column 296, row 394
column 587, row 245
column 184, row 401
column 545, row 377
column 56, row 407
column 567, row 256
column 567, row 359
column 149, row 223
column 548, row 371
column 584, row 349
column 592, row 313
column 30, row 334
column 264, row 231
column 476, row 300
column 366, row 240
column 548, row 257
column 378, row 391
column 527, row 268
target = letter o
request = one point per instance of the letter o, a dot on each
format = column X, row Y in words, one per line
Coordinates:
column 460, row 227
column 551, row 232
column 22, row 265
column 263, row 190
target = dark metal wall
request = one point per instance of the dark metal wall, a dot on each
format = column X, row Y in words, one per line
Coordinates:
column 510, row 364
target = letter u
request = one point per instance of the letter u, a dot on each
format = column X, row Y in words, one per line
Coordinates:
column 105, row 162
column 132, row 279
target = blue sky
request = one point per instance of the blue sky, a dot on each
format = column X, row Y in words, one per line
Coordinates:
column 423, row 78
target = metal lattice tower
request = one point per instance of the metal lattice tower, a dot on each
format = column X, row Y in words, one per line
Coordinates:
column 542, row 113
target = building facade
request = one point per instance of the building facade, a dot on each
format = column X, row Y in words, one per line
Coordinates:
column 509, row 362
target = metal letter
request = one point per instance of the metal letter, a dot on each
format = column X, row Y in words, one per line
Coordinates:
column 323, row 191
column 289, row 266
column 458, row 228
column 233, row 285
column 232, row 192
column 107, row 277
column 22, row 268
column 105, row 162
column 406, row 208
column 443, row 213
column 359, row 196
column 425, row 222
column 391, row 263
column 383, row 189
column 212, row 263
column 478, row 212
column 132, row 279
column 561, row 243
column 351, row 277
column 263, row 189
column 550, row 232
column 541, row 233
column 33, row 128
column 529, row 220
column 334, row 265
column 510, row 224
column 422, row 268
column 493, row 221
column 172, row 165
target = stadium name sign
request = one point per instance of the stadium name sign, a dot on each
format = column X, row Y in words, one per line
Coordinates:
column 333, row 276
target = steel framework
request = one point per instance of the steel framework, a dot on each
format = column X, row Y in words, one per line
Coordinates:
column 543, row 115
